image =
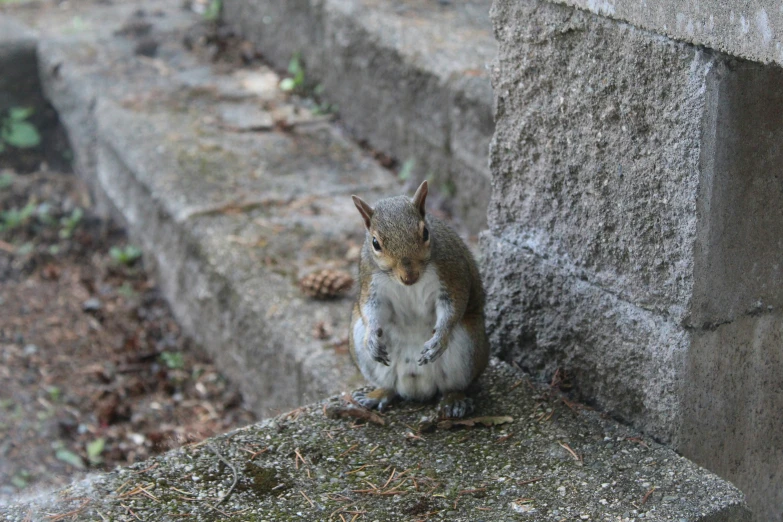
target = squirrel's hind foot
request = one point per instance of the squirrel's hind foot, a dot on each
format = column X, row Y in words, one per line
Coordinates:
column 455, row 405
column 379, row 398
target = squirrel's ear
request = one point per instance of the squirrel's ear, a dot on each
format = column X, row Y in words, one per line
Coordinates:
column 364, row 209
column 420, row 197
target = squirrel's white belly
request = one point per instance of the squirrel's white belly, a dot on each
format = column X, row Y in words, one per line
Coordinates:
column 409, row 315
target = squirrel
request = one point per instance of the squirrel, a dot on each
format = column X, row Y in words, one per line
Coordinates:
column 417, row 327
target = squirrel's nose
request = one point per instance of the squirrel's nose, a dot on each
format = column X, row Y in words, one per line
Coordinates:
column 409, row 279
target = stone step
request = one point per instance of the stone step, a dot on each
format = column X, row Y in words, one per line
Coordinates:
column 411, row 77
column 228, row 218
column 545, row 460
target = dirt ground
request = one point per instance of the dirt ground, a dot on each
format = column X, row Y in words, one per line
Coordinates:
column 94, row 370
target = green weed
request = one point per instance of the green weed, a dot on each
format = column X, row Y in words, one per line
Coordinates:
column 69, row 223
column 126, row 255
column 16, row 131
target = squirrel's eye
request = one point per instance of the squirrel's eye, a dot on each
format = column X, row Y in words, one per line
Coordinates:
column 425, row 235
column 376, row 245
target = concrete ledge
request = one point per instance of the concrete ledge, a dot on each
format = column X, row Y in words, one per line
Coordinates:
column 410, row 77
column 548, row 463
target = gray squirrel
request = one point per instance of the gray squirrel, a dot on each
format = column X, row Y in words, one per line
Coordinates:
column 417, row 328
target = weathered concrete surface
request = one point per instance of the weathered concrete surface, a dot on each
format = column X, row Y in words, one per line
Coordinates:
column 731, row 408
column 739, row 252
column 749, row 29
column 593, row 217
column 305, row 466
column 230, row 220
column 732, row 388
column 636, row 208
column 409, row 76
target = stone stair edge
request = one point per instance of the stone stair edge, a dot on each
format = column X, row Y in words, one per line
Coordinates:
column 299, row 365
column 439, row 118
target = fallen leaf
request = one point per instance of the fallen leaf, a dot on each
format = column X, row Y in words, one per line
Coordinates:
column 488, row 420
column 334, row 412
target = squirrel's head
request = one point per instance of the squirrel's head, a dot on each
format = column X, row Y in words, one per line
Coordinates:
column 398, row 235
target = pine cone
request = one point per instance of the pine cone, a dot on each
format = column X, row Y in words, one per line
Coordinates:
column 326, row 284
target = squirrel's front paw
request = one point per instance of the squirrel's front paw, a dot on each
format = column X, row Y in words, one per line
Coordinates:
column 379, row 398
column 433, row 349
column 377, row 347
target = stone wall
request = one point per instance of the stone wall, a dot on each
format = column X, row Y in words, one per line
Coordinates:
column 635, row 230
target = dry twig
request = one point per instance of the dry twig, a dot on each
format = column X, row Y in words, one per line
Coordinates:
column 233, row 470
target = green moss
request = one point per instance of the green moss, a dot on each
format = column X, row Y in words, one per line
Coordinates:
column 263, row 481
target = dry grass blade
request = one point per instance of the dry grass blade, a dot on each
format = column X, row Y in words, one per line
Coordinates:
column 307, row 498
column 72, row 513
column 346, row 452
column 146, row 469
column 572, row 452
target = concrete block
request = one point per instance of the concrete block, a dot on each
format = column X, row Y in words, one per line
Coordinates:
column 635, row 230
column 597, row 158
column 409, row 77
column 593, row 218
column 543, row 317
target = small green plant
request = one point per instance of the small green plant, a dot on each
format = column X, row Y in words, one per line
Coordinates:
column 94, row 450
column 297, row 80
column 6, row 178
column 126, row 290
column 126, row 255
column 212, row 12
column 407, row 169
column 21, row 479
column 448, row 188
column 324, row 108
column 16, row 131
column 69, row 223
column 69, row 457
column 172, row 360
column 15, row 218
column 54, row 393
